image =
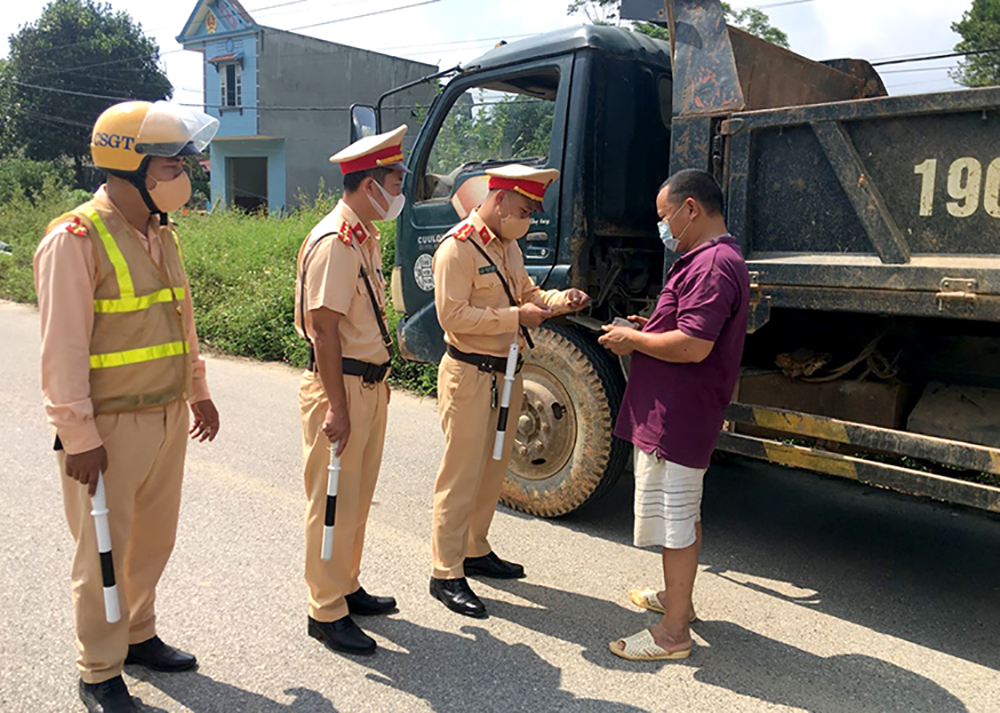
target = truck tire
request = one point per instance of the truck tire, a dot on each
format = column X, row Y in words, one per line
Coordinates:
column 564, row 454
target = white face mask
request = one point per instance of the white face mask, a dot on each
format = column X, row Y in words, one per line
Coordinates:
column 666, row 234
column 395, row 203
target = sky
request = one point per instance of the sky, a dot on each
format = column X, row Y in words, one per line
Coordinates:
column 450, row 32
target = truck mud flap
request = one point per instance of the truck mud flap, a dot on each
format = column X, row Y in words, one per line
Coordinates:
column 942, row 451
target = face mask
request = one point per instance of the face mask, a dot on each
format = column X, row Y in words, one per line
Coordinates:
column 395, row 203
column 666, row 234
column 512, row 228
column 171, row 195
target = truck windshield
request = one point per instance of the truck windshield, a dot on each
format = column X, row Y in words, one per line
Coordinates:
column 492, row 124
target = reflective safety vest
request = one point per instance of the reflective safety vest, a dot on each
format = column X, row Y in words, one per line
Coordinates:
column 139, row 353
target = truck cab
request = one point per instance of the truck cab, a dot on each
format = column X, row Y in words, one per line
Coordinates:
column 857, row 248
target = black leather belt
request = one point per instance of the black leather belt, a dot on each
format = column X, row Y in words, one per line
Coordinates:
column 484, row 362
column 369, row 373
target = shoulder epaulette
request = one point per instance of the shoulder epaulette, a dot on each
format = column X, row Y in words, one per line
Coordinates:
column 75, row 226
column 464, row 232
column 345, row 233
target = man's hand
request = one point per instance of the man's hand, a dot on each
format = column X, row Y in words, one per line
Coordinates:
column 337, row 427
column 532, row 315
column 638, row 321
column 576, row 299
column 617, row 339
column 85, row 467
column 206, row 421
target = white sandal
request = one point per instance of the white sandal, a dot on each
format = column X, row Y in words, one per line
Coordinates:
column 642, row 647
column 647, row 599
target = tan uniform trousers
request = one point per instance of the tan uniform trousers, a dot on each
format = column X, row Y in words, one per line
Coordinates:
column 469, row 481
column 146, row 452
column 329, row 582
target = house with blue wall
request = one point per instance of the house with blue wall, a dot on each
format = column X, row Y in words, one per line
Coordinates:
column 283, row 101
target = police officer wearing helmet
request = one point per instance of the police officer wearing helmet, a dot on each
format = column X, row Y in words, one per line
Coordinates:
column 343, row 395
column 120, row 371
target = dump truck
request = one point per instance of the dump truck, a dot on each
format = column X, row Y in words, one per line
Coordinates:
column 870, row 225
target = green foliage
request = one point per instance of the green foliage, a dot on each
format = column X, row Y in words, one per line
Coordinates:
column 22, row 224
column 241, row 268
column 754, row 21
column 75, row 46
column 24, row 177
column 980, row 30
column 486, row 127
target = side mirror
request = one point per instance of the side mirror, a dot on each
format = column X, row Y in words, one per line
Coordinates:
column 364, row 121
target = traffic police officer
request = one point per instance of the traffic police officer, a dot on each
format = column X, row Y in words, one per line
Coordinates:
column 343, row 397
column 485, row 300
column 120, row 365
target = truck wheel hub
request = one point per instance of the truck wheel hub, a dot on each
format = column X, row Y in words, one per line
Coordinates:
column 546, row 428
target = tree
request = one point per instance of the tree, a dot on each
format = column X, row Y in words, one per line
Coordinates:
column 980, row 30
column 754, row 21
column 76, row 48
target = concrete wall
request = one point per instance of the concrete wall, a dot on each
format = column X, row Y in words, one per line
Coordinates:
column 300, row 71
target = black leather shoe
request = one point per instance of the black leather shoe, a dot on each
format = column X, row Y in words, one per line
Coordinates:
column 157, row 656
column 342, row 635
column 457, row 596
column 364, row 604
column 492, row 566
column 109, row 696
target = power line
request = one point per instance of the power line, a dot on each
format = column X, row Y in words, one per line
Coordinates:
column 459, row 42
column 919, row 69
column 924, row 58
column 258, row 107
column 282, row 4
column 367, row 14
column 102, row 64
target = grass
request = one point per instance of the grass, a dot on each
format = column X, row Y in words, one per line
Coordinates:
column 241, row 268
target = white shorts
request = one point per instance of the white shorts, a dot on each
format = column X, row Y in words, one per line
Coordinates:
column 667, row 502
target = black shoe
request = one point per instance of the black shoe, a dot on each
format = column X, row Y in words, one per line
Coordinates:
column 157, row 656
column 457, row 596
column 364, row 604
column 109, row 696
column 492, row 566
column 342, row 635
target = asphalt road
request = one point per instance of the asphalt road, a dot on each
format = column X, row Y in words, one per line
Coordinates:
column 815, row 594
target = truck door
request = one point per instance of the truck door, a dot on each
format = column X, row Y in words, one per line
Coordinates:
column 510, row 115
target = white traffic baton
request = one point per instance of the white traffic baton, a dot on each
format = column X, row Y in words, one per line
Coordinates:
column 332, row 482
column 508, row 384
column 99, row 505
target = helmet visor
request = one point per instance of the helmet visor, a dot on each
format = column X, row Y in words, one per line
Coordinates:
column 172, row 130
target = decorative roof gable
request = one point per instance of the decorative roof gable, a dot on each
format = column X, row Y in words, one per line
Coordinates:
column 216, row 18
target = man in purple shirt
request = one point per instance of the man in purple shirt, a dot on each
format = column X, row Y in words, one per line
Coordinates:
column 685, row 361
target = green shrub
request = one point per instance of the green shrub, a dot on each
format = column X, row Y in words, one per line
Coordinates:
column 21, row 177
column 241, row 268
column 22, row 224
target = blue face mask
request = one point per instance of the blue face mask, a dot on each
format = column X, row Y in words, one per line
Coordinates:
column 670, row 243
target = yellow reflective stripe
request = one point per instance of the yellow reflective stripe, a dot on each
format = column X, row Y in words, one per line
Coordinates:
column 137, row 356
column 177, row 242
column 137, row 304
column 125, row 287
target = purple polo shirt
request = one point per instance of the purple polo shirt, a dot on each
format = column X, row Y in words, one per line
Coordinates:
column 676, row 410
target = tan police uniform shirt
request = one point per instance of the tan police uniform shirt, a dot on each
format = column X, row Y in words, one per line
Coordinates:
column 333, row 280
column 472, row 305
column 66, row 277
